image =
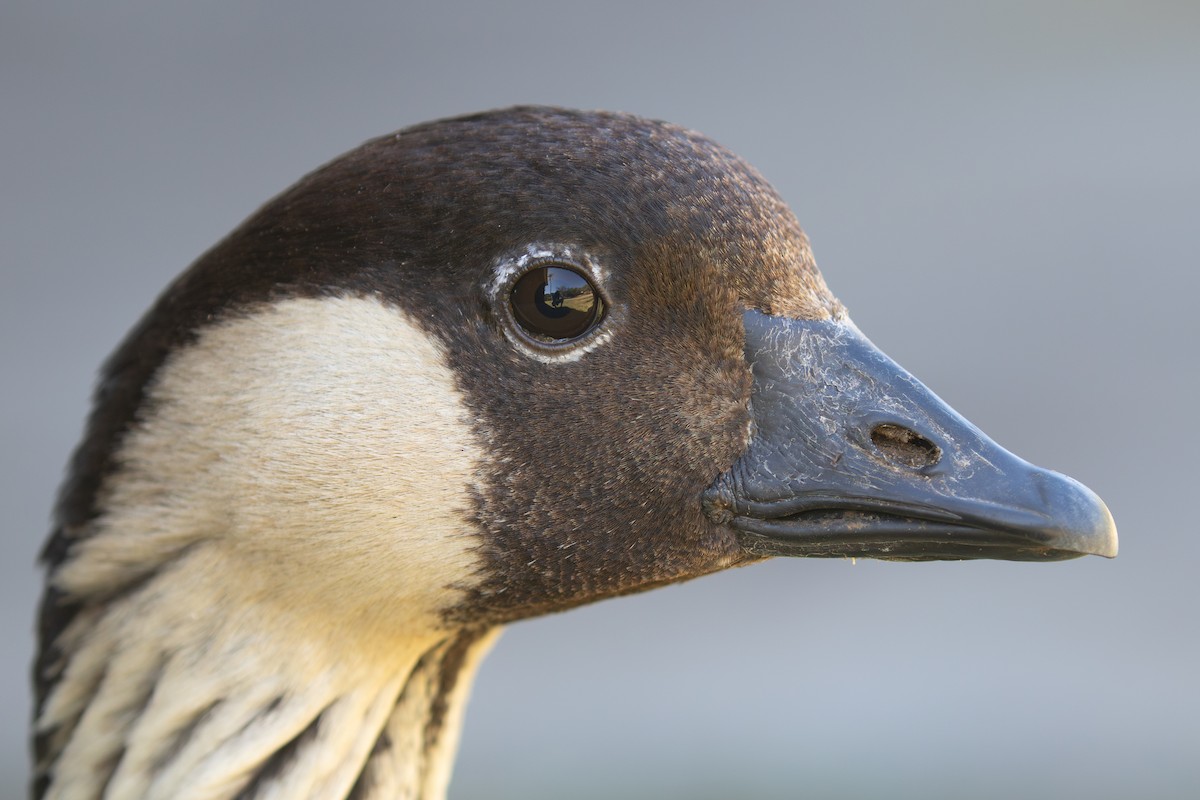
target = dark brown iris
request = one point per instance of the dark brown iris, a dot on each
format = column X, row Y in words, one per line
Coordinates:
column 555, row 303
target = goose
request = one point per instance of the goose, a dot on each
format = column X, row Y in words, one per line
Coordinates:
column 479, row 370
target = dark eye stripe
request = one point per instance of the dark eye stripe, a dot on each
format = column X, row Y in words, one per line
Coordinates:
column 555, row 304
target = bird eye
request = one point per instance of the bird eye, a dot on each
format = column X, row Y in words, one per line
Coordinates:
column 555, row 304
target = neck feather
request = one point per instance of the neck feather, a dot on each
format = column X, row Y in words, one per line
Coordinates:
column 256, row 704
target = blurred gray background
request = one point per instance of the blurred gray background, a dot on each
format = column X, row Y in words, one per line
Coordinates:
column 1006, row 196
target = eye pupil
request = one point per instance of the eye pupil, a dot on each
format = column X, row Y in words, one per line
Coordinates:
column 555, row 304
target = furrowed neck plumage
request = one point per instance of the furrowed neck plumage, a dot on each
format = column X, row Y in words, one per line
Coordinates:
column 253, row 704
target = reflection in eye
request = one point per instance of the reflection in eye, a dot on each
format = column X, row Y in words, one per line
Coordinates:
column 555, row 303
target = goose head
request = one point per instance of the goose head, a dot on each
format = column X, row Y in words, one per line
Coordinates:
column 480, row 370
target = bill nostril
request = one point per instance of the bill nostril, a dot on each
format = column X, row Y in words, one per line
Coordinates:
column 905, row 446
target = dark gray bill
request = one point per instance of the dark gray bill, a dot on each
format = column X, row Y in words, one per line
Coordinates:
column 852, row 456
